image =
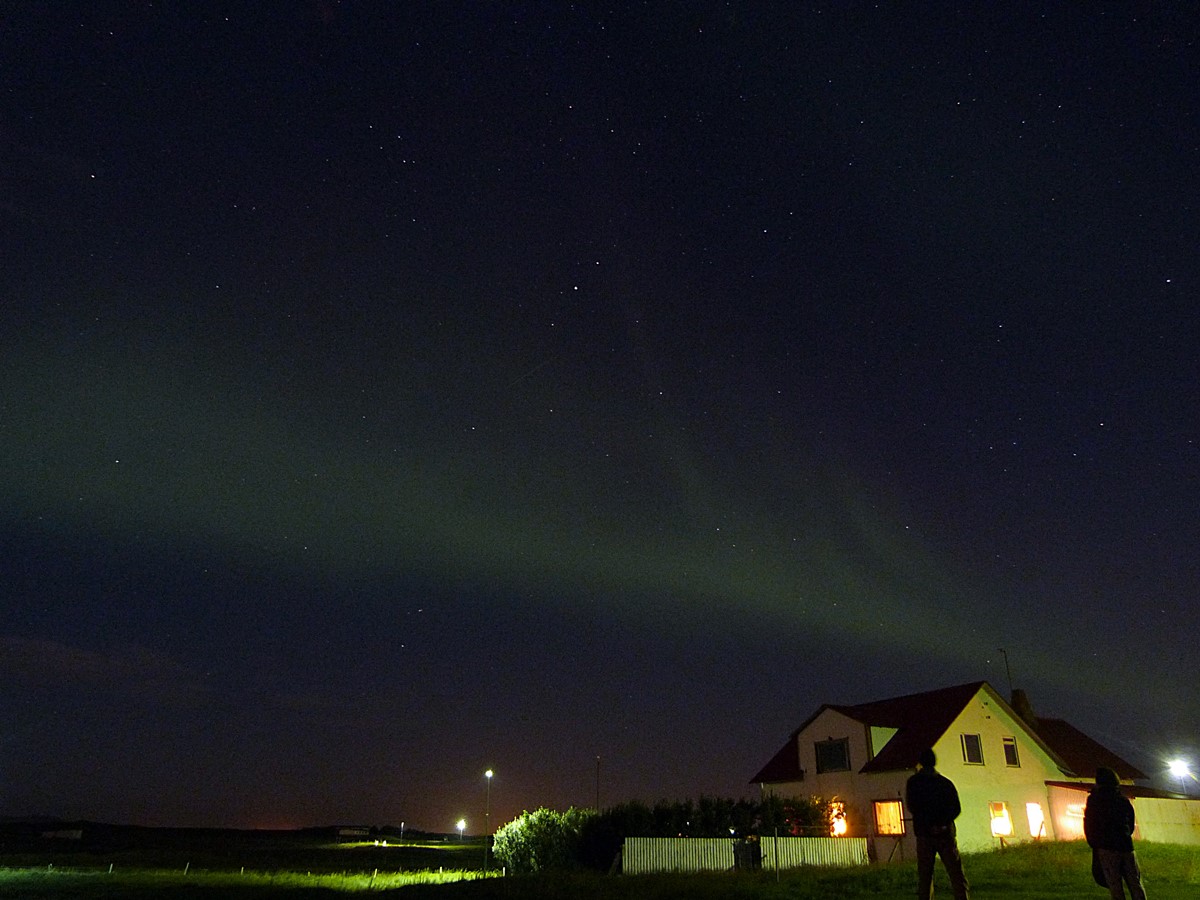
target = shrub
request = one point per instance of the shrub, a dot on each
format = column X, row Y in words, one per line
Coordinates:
column 541, row 840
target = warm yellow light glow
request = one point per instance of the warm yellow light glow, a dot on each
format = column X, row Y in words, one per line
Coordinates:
column 889, row 817
column 1001, row 821
column 1071, row 824
column 837, row 819
column 1037, row 820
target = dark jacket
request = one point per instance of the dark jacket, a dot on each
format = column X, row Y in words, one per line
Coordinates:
column 933, row 801
column 1108, row 820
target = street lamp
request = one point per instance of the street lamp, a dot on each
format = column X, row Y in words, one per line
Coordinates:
column 487, row 814
column 460, row 825
column 1181, row 769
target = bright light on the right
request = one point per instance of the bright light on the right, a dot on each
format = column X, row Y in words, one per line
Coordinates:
column 1180, row 768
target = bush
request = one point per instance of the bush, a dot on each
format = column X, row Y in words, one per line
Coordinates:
column 603, row 835
column 542, row 840
column 545, row 840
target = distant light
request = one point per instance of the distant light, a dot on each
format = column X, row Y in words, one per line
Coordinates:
column 461, row 824
column 1180, row 768
column 488, row 773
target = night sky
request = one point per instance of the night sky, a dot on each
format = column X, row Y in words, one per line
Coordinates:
column 392, row 391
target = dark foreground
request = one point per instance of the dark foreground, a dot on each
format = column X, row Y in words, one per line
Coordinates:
column 230, row 865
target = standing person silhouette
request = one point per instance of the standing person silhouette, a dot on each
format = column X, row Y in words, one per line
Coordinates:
column 933, row 801
column 1108, row 822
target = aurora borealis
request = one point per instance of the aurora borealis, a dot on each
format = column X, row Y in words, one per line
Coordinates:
column 390, row 395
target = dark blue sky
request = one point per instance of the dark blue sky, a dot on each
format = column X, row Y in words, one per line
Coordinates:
column 387, row 395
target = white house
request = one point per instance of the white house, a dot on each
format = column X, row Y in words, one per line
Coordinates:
column 1019, row 777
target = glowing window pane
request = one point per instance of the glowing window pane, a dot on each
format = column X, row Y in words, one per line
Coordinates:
column 1037, row 819
column 889, row 817
column 1001, row 822
column 1071, row 825
column 837, row 819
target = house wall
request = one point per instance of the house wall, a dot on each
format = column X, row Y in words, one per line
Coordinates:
column 978, row 785
column 1066, row 808
column 846, row 787
column 1061, row 808
column 995, row 781
column 1168, row 820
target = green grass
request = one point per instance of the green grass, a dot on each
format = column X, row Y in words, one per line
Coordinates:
column 68, row 884
column 1050, row 871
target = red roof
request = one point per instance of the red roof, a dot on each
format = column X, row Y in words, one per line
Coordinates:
column 920, row 719
column 1082, row 754
column 784, row 765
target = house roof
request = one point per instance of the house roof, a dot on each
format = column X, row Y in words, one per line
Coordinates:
column 783, row 766
column 922, row 719
column 1082, row 754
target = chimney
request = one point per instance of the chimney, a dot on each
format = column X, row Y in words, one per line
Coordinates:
column 1023, row 708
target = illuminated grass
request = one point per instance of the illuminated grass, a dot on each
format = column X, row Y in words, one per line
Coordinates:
column 1049, row 871
column 56, row 882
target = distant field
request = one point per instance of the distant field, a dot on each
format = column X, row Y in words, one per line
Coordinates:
column 159, row 864
column 229, row 850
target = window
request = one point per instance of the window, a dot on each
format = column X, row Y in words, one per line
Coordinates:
column 1071, row 823
column 833, row 755
column 889, row 817
column 1037, row 820
column 1010, row 752
column 972, row 748
column 1001, row 821
column 837, row 819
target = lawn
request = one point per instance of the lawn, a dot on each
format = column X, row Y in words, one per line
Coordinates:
column 1050, row 871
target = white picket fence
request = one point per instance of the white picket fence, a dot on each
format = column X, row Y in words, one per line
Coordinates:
column 643, row 855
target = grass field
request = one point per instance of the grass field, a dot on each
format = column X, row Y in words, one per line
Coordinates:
column 290, row 869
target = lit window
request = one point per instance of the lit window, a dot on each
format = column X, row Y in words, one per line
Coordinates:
column 1037, row 820
column 833, row 755
column 837, row 819
column 1010, row 752
column 972, row 748
column 1001, row 821
column 1071, row 824
column 889, row 817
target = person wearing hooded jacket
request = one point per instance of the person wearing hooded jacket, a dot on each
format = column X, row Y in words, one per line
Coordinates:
column 933, row 801
column 1108, row 822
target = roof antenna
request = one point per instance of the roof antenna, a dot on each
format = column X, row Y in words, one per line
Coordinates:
column 1007, row 670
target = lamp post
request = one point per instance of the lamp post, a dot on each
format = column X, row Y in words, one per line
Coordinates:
column 1181, row 769
column 461, row 824
column 487, row 816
